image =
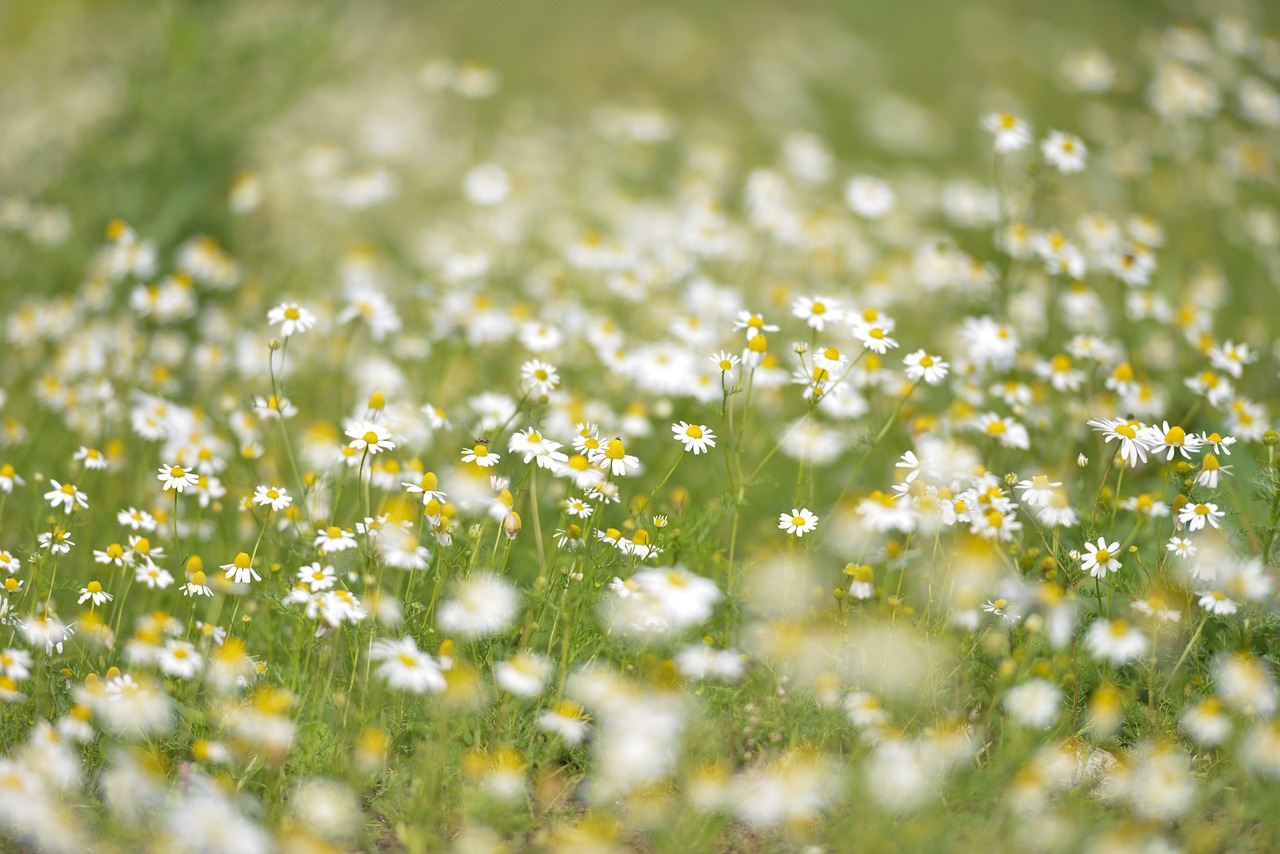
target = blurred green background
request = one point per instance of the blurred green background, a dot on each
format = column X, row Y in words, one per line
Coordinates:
column 147, row 110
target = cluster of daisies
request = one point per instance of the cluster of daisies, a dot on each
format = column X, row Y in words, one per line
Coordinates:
column 704, row 505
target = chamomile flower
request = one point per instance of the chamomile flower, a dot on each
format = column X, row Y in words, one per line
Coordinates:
column 180, row 659
column 9, row 478
column 66, row 496
column 369, row 436
column 155, row 578
column 138, row 520
column 614, row 458
column 1217, row 602
column 333, row 539
column 1218, row 443
column 539, row 376
column 275, row 497
column 1196, row 516
column 1101, row 558
column 404, row 667
column 817, row 311
column 798, row 522
column 1037, row 491
column 753, row 324
column 697, row 438
column 114, row 554
column 92, row 458
column 240, row 570
column 1011, row 133
column 1173, row 440
column 1211, row 471
column 481, row 455
column 725, row 362
column 1115, row 641
column 176, row 478
column 874, row 337
column 921, row 366
column 56, row 541
column 292, row 318
column 197, row 586
column 1132, row 437
column 1065, row 152
column 869, row 197
column 93, row 592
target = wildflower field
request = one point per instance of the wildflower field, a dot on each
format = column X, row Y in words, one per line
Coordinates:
column 603, row 427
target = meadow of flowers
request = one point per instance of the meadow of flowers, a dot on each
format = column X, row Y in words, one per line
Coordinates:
column 726, row 428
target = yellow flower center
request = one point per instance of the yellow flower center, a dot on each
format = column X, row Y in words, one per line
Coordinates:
column 693, row 431
column 615, row 449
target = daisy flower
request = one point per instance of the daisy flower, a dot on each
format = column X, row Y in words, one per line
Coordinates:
column 9, row 478
column 1117, row 642
column 138, row 520
column 334, row 539
column 540, row 376
column 1220, row 444
column 753, row 324
column 1194, row 516
column 1173, row 439
column 93, row 591
column 240, row 570
column 1211, row 471
column 180, row 659
column 370, row 436
column 1216, row 602
column 91, row 457
column 155, row 577
column 1066, row 152
column 1100, row 558
column 1131, row 436
column 725, row 362
column 113, row 554
column 405, row 667
column 869, row 197
column 275, row 497
column 615, row 459
column 197, row 586
column 291, row 317
column 874, row 337
column 176, row 478
column 816, row 311
column 57, row 541
column 67, row 496
column 480, row 454
column 1038, row 491
column 697, row 438
column 921, row 366
column 799, row 521
column 317, row 577
column 1011, row 133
